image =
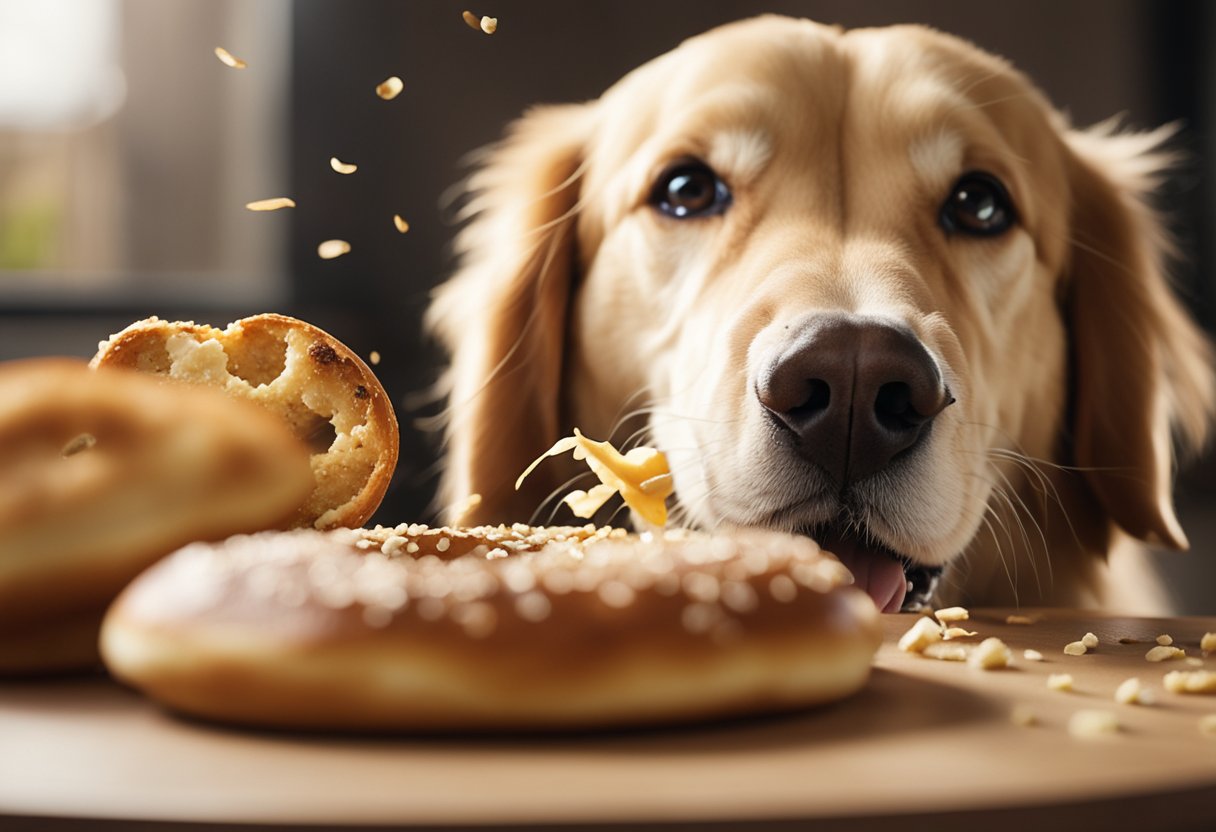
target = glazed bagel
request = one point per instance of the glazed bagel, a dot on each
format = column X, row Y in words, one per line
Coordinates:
column 101, row 473
column 306, row 377
column 491, row 628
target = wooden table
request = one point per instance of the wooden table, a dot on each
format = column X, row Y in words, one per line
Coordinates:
column 927, row 743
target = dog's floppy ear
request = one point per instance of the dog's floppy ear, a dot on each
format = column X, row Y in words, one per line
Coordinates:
column 502, row 317
column 1142, row 371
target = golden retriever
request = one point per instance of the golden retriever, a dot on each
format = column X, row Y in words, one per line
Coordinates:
column 867, row 285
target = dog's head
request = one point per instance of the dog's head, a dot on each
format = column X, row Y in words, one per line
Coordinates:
column 864, row 284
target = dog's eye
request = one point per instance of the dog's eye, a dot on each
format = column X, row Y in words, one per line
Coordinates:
column 690, row 189
column 978, row 205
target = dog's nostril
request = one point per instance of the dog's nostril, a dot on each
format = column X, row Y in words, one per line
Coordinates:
column 893, row 407
column 818, row 397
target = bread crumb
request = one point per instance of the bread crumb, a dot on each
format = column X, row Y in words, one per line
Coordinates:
column 924, row 632
column 1018, row 619
column 1075, row 648
column 1190, row 681
column 1208, row 643
column 952, row 614
column 1022, row 715
column 945, row 652
column 991, row 654
column 1089, row 640
column 1032, row 655
column 1060, row 681
column 1194, row 661
column 489, row 25
column 1131, row 692
column 341, row 167
column 400, row 223
column 470, row 19
column 1089, row 724
column 1162, row 653
column 957, row 632
column 1165, row 640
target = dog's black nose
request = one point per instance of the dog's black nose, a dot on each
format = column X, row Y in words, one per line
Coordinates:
column 854, row 392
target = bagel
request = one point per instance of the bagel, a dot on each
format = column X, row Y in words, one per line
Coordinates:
column 306, row 377
column 101, row 473
column 491, row 628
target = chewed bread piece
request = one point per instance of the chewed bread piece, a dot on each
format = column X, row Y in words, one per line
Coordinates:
column 328, row 396
column 103, row 472
column 505, row 628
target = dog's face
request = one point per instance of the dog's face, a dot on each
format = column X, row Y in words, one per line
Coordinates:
column 836, row 277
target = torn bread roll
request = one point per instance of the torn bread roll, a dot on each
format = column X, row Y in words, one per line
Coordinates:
column 306, row 377
column 103, row 472
column 498, row 628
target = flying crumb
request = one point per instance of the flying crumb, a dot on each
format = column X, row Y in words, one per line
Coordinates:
column 401, row 224
column 341, row 167
column 273, row 204
column 489, row 25
column 390, row 88
column 471, row 19
column 330, row 249
column 228, row 59
column 374, row 358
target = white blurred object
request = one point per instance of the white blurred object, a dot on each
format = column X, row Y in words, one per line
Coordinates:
column 59, row 63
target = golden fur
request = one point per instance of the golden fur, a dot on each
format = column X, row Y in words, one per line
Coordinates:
column 576, row 304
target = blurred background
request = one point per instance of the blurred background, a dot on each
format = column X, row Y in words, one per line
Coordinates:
column 128, row 152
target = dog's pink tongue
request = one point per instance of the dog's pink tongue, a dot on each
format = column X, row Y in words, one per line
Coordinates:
column 879, row 576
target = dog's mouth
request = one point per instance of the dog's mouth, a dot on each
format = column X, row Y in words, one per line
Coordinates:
column 893, row 581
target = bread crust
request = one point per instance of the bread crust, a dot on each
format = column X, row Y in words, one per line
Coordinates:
column 495, row 628
column 327, row 395
column 102, row 472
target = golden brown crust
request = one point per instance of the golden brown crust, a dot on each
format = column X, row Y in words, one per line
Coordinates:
column 491, row 628
column 102, row 472
column 329, row 397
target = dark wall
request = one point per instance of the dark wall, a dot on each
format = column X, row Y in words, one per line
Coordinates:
column 1094, row 58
